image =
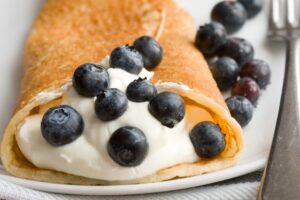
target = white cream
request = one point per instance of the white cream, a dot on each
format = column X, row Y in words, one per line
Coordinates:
column 87, row 156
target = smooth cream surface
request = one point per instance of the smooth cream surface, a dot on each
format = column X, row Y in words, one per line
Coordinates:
column 88, row 157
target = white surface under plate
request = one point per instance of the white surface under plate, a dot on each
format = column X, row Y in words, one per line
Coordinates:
column 15, row 20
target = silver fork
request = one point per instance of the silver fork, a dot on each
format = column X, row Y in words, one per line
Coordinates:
column 281, row 179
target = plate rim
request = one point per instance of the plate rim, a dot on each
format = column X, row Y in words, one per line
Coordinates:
column 145, row 188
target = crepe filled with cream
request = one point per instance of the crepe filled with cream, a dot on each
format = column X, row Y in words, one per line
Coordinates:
column 67, row 34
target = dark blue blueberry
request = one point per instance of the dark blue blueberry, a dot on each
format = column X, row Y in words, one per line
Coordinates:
column 239, row 49
column 61, row 125
column 225, row 72
column 210, row 37
column 128, row 146
column 253, row 7
column 90, row 79
column 126, row 58
column 259, row 70
column 151, row 51
column 207, row 139
column 231, row 14
column 246, row 87
column 110, row 104
column 241, row 109
column 140, row 90
column 168, row 108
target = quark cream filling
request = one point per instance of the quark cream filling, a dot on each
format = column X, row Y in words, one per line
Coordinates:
column 88, row 157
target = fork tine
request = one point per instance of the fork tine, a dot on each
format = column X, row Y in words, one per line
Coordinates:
column 290, row 13
column 274, row 16
column 297, row 12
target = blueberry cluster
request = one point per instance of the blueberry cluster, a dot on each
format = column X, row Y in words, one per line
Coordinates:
column 127, row 146
column 234, row 66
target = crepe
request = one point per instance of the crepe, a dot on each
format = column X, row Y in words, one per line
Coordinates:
column 69, row 33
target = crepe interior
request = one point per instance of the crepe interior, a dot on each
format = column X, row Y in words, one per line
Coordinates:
column 69, row 33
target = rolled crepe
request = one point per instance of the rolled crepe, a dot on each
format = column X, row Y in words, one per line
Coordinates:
column 69, row 33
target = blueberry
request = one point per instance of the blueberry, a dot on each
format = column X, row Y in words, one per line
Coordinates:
column 210, row 37
column 127, row 58
column 90, row 79
column 239, row 49
column 231, row 14
column 248, row 88
column 128, row 146
column 225, row 71
column 259, row 70
column 151, row 51
column 253, row 7
column 111, row 104
column 240, row 109
column 61, row 125
column 141, row 90
column 207, row 139
column 168, row 108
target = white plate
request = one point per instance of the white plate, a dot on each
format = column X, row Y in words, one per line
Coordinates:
column 15, row 20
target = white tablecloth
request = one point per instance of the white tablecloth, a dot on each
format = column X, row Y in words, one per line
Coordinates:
column 244, row 188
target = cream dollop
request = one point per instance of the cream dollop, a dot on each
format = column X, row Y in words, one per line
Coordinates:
column 88, row 157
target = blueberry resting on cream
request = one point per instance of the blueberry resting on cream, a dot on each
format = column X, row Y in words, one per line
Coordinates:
column 110, row 104
column 168, row 108
column 127, row 58
column 90, row 79
column 141, row 90
column 128, row 146
column 61, row 125
column 208, row 140
column 151, row 51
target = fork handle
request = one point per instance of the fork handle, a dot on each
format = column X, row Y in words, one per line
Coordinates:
column 281, row 179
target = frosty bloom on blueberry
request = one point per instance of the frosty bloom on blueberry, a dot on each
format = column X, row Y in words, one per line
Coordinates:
column 128, row 146
column 248, row 88
column 61, row 125
column 210, row 37
column 241, row 109
column 259, row 70
column 127, row 58
column 239, row 49
column 90, row 79
column 208, row 140
column 225, row 71
column 140, row 90
column 151, row 51
column 231, row 14
column 110, row 104
column 168, row 108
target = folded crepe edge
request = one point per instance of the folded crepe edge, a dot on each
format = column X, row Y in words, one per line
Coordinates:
column 16, row 164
